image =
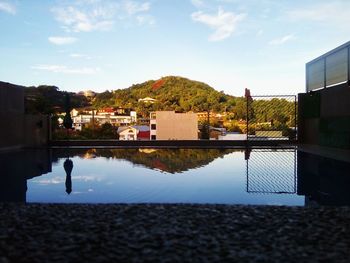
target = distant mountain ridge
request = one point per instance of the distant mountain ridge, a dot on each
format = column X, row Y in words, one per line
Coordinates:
column 172, row 93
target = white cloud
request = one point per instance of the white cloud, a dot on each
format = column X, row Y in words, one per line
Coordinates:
column 62, row 40
column 97, row 15
column 7, row 7
column 67, row 70
column 77, row 55
column 133, row 7
column 224, row 23
column 74, row 19
column 282, row 40
column 197, row 3
column 333, row 12
column 145, row 19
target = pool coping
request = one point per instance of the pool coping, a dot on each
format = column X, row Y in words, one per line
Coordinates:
column 171, row 143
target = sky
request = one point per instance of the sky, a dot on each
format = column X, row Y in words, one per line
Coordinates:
column 231, row 45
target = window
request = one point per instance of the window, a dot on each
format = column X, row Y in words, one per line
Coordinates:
column 131, row 131
column 153, row 137
column 337, row 67
column 153, row 126
column 315, row 75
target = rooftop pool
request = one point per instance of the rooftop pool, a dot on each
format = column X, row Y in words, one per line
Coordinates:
column 216, row 176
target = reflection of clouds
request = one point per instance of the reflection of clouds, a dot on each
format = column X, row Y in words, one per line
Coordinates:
column 86, row 178
column 275, row 203
column 82, row 192
column 54, row 180
column 61, row 179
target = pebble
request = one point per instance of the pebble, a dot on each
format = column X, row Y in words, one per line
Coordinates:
column 173, row 233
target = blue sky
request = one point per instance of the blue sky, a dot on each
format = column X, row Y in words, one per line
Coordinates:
column 77, row 45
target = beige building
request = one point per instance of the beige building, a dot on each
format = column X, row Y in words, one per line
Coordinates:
column 169, row 125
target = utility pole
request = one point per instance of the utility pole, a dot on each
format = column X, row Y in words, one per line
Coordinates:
column 208, row 120
column 93, row 122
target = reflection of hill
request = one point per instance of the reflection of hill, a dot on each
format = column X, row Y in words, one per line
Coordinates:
column 166, row 160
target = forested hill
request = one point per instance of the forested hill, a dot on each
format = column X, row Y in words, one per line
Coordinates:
column 171, row 93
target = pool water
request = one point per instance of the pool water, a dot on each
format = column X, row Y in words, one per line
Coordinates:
column 216, row 176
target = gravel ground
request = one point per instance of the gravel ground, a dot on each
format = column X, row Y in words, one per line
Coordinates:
column 173, row 233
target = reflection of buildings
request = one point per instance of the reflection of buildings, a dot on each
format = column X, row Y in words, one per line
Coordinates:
column 165, row 160
column 17, row 168
column 322, row 180
column 169, row 125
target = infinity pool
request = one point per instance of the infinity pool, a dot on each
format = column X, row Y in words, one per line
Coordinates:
column 229, row 176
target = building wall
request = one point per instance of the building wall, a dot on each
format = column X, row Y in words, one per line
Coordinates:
column 36, row 129
column 11, row 130
column 11, row 98
column 324, row 117
column 18, row 129
column 176, row 126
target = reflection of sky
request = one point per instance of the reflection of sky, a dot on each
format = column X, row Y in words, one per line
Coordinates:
column 102, row 180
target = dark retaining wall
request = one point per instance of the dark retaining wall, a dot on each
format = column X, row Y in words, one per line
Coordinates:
column 168, row 144
column 324, row 117
column 18, row 129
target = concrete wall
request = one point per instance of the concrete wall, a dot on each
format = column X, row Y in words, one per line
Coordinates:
column 18, row 130
column 324, row 117
column 36, row 129
column 11, row 98
column 176, row 126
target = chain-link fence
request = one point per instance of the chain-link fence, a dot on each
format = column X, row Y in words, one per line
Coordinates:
column 272, row 117
column 271, row 171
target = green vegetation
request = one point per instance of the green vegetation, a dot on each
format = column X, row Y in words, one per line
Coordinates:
column 272, row 115
column 102, row 132
column 172, row 93
column 67, row 120
column 49, row 100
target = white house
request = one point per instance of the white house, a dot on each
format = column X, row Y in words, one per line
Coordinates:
column 147, row 100
column 127, row 133
column 82, row 118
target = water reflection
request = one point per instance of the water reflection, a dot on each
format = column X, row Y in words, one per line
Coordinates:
column 165, row 160
column 271, row 171
column 68, row 167
column 321, row 180
column 17, row 168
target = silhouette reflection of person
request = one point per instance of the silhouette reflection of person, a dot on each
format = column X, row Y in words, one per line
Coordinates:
column 68, row 167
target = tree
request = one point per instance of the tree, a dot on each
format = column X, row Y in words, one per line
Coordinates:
column 67, row 121
column 204, row 130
